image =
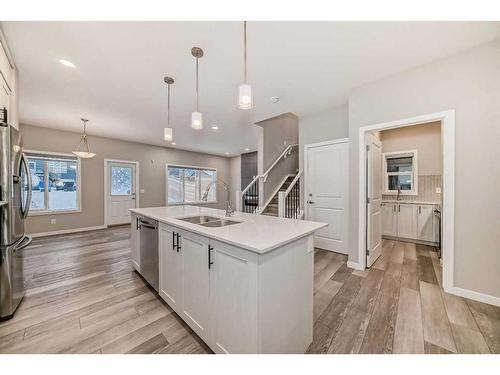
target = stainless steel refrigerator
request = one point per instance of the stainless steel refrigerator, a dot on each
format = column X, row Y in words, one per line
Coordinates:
column 15, row 197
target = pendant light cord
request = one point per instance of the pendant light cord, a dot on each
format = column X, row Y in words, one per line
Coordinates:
column 197, row 84
column 168, row 105
column 245, row 47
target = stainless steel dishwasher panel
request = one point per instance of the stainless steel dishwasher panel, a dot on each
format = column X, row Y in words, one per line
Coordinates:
column 149, row 250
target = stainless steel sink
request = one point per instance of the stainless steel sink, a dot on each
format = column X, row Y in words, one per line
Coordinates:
column 220, row 223
column 200, row 219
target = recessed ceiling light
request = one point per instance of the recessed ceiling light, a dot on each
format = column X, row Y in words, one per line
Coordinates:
column 247, row 149
column 227, row 153
column 173, row 143
column 275, row 99
column 214, row 127
column 67, row 63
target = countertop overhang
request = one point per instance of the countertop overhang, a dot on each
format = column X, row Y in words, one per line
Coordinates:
column 257, row 233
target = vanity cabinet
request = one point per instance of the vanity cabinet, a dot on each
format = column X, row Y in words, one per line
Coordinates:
column 389, row 219
column 410, row 221
column 407, row 220
column 135, row 243
column 426, row 223
column 234, row 298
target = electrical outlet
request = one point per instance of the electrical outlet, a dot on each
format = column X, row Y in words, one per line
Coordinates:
column 52, row 221
column 438, row 190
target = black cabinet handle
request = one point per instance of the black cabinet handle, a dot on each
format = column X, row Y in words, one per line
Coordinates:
column 137, row 223
column 210, row 263
column 419, row 209
column 399, row 208
column 178, row 235
column 173, row 241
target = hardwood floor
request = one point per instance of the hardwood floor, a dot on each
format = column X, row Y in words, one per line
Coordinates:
column 83, row 297
column 397, row 306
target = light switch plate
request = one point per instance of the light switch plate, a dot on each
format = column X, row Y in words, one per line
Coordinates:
column 52, row 221
column 141, row 191
column 438, row 190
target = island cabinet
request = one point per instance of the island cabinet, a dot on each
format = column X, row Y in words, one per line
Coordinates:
column 236, row 300
column 135, row 242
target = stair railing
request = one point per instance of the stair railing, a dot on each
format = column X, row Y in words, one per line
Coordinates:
column 248, row 199
column 290, row 200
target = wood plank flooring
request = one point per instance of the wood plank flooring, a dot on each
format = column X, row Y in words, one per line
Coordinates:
column 84, row 297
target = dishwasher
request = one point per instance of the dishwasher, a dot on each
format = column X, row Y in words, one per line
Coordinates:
column 148, row 250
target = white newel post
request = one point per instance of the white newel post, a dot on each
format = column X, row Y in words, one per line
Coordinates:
column 281, row 204
column 238, row 201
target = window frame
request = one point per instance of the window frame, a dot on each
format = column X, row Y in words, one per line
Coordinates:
column 183, row 194
column 60, row 156
column 413, row 175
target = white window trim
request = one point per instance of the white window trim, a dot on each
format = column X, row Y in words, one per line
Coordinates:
column 78, row 179
column 414, row 173
column 188, row 167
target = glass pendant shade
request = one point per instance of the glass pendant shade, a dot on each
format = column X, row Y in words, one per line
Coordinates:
column 168, row 134
column 196, row 120
column 83, row 149
column 245, row 97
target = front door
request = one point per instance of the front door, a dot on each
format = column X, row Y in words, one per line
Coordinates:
column 327, row 194
column 121, row 191
column 374, row 199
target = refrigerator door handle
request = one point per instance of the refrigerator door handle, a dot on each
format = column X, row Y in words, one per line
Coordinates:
column 26, row 241
column 27, row 204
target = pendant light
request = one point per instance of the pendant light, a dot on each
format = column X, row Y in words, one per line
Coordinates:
column 197, row 117
column 245, row 97
column 83, row 149
column 168, row 131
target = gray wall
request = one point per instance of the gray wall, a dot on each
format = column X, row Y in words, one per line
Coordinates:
column 248, row 168
column 469, row 84
column 152, row 161
column 425, row 138
column 277, row 133
column 326, row 125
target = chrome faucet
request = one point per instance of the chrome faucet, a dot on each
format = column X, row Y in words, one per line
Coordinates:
column 229, row 209
column 399, row 192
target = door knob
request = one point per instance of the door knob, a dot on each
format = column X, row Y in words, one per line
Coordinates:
column 310, row 202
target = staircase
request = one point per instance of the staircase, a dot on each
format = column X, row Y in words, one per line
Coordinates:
column 272, row 207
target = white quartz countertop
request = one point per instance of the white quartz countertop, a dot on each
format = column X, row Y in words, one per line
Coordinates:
column 408, row 202
column 257, row 233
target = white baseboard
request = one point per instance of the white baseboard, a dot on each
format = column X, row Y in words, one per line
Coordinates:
column 354, row 265
column 67, row 231
column 476, row 296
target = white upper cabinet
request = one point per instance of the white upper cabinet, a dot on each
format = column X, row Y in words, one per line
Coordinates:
column 6, row 71
column 426, row 223
column 407, row 220
column 389, row 219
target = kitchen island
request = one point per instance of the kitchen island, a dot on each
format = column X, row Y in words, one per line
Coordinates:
column 244, row 284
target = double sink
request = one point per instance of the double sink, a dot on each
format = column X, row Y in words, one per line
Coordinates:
column 209, row 221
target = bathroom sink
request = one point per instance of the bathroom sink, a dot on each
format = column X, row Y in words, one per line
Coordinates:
column 200, row 219
column 220, row 223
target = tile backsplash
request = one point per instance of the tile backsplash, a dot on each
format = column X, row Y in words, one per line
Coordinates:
column 426, row 190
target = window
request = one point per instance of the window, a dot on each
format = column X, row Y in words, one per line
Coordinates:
column 190, row 185
column 400, row 172
column 55, row 183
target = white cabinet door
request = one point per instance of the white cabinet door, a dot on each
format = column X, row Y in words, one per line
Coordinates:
column 234, row 299
column 389, row 219
column 135, row 244
column 196, row 283
column 426, row 223
column 170, row 266
column 407, row 220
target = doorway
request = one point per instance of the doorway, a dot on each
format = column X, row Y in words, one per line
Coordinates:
column 327, row 192
column 121, row 181
column 370, row 231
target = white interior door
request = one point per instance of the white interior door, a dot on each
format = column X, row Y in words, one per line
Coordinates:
column 374, row 199
column 327, row 194
column 121, row 191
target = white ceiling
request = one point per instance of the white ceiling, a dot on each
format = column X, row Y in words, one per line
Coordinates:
column 118, row 80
